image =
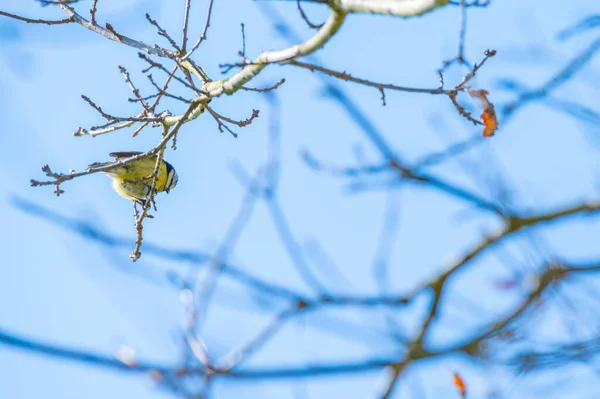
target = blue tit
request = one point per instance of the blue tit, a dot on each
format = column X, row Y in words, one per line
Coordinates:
column 131, row 180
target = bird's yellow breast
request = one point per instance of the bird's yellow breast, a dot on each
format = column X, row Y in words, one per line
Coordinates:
column 130, row 180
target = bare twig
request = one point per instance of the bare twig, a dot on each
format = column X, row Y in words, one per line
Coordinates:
column 266, row 89
column 93, row 12
column 162, row 92
column 204, row 32
column 158, row 65
column 234, row 358
column 572, row 67
column 38, row 21
column 116, row 119
column 95, row 131
column 186, row 20
column 111, row 34
column 134, row 89
column 305, row 17
column 163, row 32
column 451, row 93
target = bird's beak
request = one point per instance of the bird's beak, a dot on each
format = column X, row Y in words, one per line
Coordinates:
column 167, row 190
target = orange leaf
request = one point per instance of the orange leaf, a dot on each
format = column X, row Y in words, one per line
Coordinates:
column 490, row 122
column 460, row 384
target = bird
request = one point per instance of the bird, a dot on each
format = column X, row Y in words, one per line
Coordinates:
column 133, row 180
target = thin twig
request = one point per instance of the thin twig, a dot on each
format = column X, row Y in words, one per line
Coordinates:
column 163, row 33
column 93, row 12
column 186, row 20
column 158, row 65
column 38, row 21
column 204, row 32
column 134, row 89
column 266, row 89
column 305, row 17
column 235, row 357
column 111, row 34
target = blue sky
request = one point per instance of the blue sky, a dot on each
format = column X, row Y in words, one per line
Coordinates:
column 61, row 287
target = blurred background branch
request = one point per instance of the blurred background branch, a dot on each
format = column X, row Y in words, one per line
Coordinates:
column 439, row 259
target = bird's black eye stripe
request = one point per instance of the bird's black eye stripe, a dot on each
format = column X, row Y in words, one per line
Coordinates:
column 171, row 176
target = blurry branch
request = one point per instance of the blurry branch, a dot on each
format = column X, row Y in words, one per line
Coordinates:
column 89, row 231
column 234, row 358
column 581, row 351
column 139, row 367
column 560, row 78
column 290, row 243
column 437, row 285
column 95, row 359
column 227, row 367
column 204, row 289
column 552, row 274
column 451, row 152
column 267, row 191
column 586, row 24
column 409, row 174
column 91, row 358
column 512, row 225
column 387, row 242
column 310, row 371
column 576, row 110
